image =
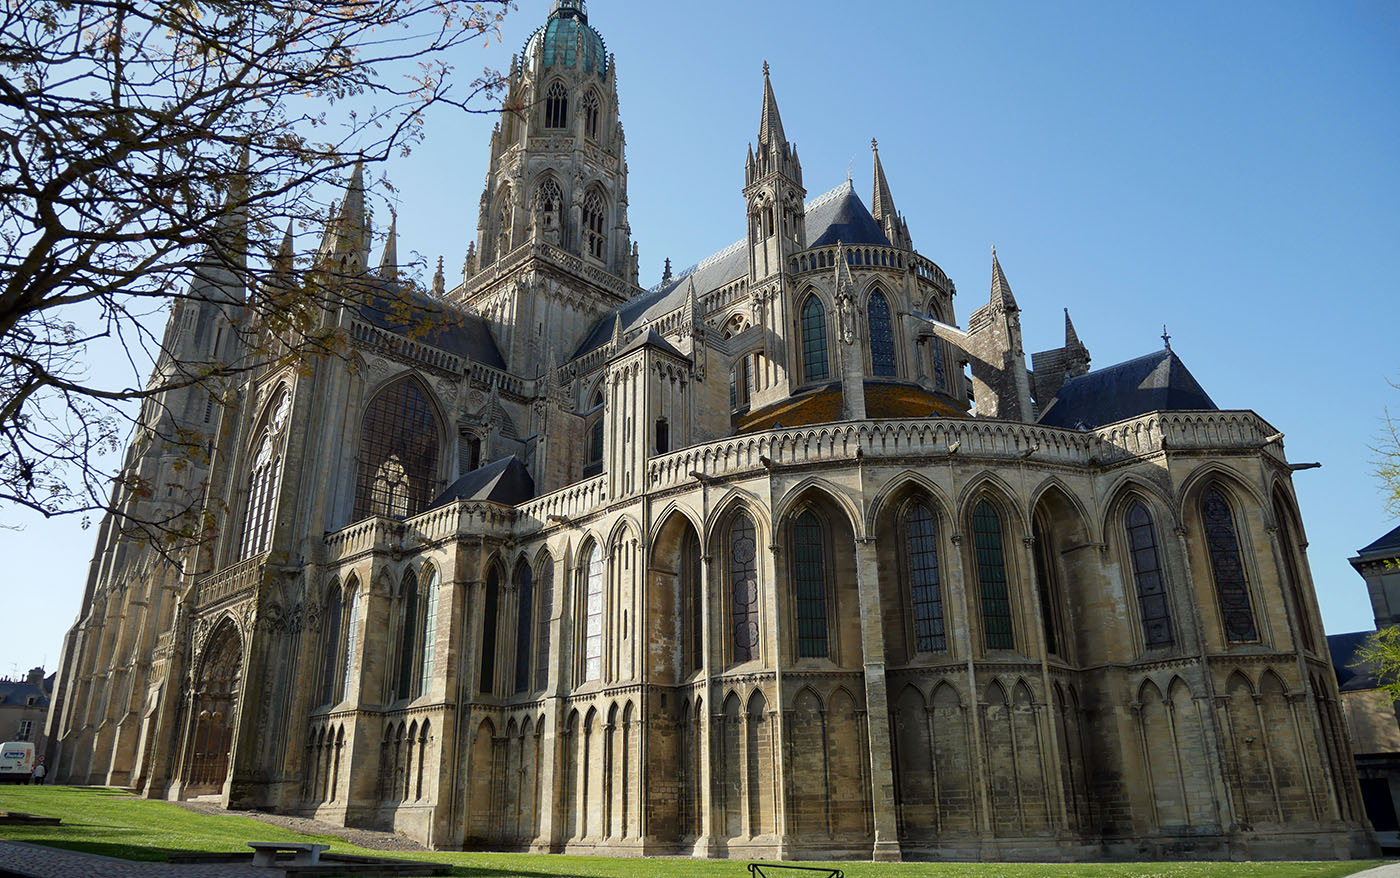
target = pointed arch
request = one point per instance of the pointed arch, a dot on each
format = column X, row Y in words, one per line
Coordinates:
column 398, row 461
column 815, row 353
column 410, row 635
column 556, row 105
column 1289, row 530
column 591, row 567
column 592, row 112
column 490, row 622
column 813, row 487
column 265, row 473
column 993, row 575
column 524, row 580
column 1223, row 547
column 545, row 574
column 595, row 223
column 897, row 489
column 881, row 334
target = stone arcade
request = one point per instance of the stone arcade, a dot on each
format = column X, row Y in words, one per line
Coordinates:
column 729, row 567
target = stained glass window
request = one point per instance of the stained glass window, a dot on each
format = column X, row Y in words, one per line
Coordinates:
column 595, row 441
column 743, row 584
column 814, row 364
column 542, row 630
column 488, row 630
column 430, row 612
column 330, row 656
column 1150, row 578
column 556, row 106
column 1230, row 586
column 809, row 565
column 262, row 495
column 741, row 383
column 398, row 458
column 593, row 614
column 921, row 544
column 407, row 654
column 694, row 602
column 525, row 593
column 991, row 577
column 881, row 336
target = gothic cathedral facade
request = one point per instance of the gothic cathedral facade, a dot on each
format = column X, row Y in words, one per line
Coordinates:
column 773, row 559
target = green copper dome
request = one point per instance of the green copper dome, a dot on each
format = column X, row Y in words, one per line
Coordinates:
column 566, row 34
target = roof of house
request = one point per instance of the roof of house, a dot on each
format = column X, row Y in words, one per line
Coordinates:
column 1352, row 673
column 1156, row 382
column 504, row 481
column 18, row 692
column 1388, row 543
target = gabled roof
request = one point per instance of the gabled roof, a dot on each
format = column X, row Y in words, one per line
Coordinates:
column 420, row 318
column 838, row 214
column 1388, row 543
column 1351, row 673
column 505, row 481
column 653, row 339
column 19, row 692
column 1156, row 382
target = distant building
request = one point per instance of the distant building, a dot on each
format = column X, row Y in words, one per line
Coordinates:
column 24, row 706
column 724, row 568
column 1371, row 715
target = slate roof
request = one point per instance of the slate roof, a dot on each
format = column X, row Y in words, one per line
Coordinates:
column 839, row 213
column 404, row 313
column 653, row 339
column 1388, row 543
column 1156, row 382
column 504, row 481
column 19, row 692
column 1343, row 648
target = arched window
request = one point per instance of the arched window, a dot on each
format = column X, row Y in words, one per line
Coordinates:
column 549, row 203
column 1047, row 576
column 398, row 459
column 352, row 636
column 1227, row 565
column 330, row 644
column 693, row 602
column 593, row 614
column 408, row 653
column 741, row 382
column 430, row 612
column 595, row 222
column 556, row 106
column 881, row 336
column 1293, row 583
column 925, row 590
column 594, row 463
column 743, row 586
column 590, row 114
column 542, row 630
column 263, row 478
column 525, row 594
column 991, row 578
column 809, row 577
column 1149, row 577
column 488, row 630
column 814, row 364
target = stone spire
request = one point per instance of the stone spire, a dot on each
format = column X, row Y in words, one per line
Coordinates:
column 439, row 281
column 770, row 127
column 283, row 262
column 1071, row 337
column 1001, row 290
column 389, row 261
column 347, row 236
column 882, row 203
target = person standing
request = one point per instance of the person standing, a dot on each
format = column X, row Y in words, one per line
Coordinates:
column 37, row 777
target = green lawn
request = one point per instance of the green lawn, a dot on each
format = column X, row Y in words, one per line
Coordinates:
column 112, row 823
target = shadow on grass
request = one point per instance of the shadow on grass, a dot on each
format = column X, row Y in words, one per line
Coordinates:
column 137, row 853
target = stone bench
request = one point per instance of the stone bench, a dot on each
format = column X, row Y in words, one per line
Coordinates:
column 265, row 852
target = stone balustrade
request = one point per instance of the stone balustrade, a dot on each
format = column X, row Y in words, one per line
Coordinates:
column 398, row 345
column 570, row 502
column 230, row 581
column 363, row 536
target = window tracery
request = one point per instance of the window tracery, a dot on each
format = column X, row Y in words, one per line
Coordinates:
column 593, row 614
column 263, row 478
column 330, row 644
column 1227, row 565
column 809, row 568
column 595, row 226
column 398, row 458
column 542, row 630
column 921, row 567
column 882, row 363
column 1149, row 578
column 743, row 587
column 430, row 612
column 556, row 106
column 590, row 114
column 352, row 634
column 991, row 578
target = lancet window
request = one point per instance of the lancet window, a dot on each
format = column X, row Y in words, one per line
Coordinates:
column 1227, row 565
column 809, row 568
column 991, row 578
column 595, row 221
column 590, row 114
column 490, row 613
column 1149, row 577
column 542, row 630
column 925, row 589
column 525, row 598
column 409, row 638
column 743, row 587
column 593, row 614
column 331, row 644
column 263, row 478
column 556, row 106
column 814, row 353
column 881, row 336
column 693, row 603
column 352, row 635
column 398, row 459
column 429, row 591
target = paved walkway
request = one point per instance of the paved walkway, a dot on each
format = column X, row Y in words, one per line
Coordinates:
column 1391, row 870
column 39, row 861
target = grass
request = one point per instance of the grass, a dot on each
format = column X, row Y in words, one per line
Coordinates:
column 109, row 822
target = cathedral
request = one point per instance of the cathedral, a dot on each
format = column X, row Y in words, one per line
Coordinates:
column 775, row 559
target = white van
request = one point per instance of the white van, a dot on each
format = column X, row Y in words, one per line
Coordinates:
column 16, row 761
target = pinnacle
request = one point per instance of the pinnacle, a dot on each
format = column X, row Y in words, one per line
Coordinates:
column 770, row 128
column 882, row 204
column 1001, row 289
column 389, row 262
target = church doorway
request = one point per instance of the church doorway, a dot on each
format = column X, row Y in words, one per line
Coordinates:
column 214, row 713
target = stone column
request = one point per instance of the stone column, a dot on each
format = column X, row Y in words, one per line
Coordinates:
column 549, row 801
column 872, row 645
column 704, row 783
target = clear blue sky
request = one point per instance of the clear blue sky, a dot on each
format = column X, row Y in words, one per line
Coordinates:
column 1229, row 169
